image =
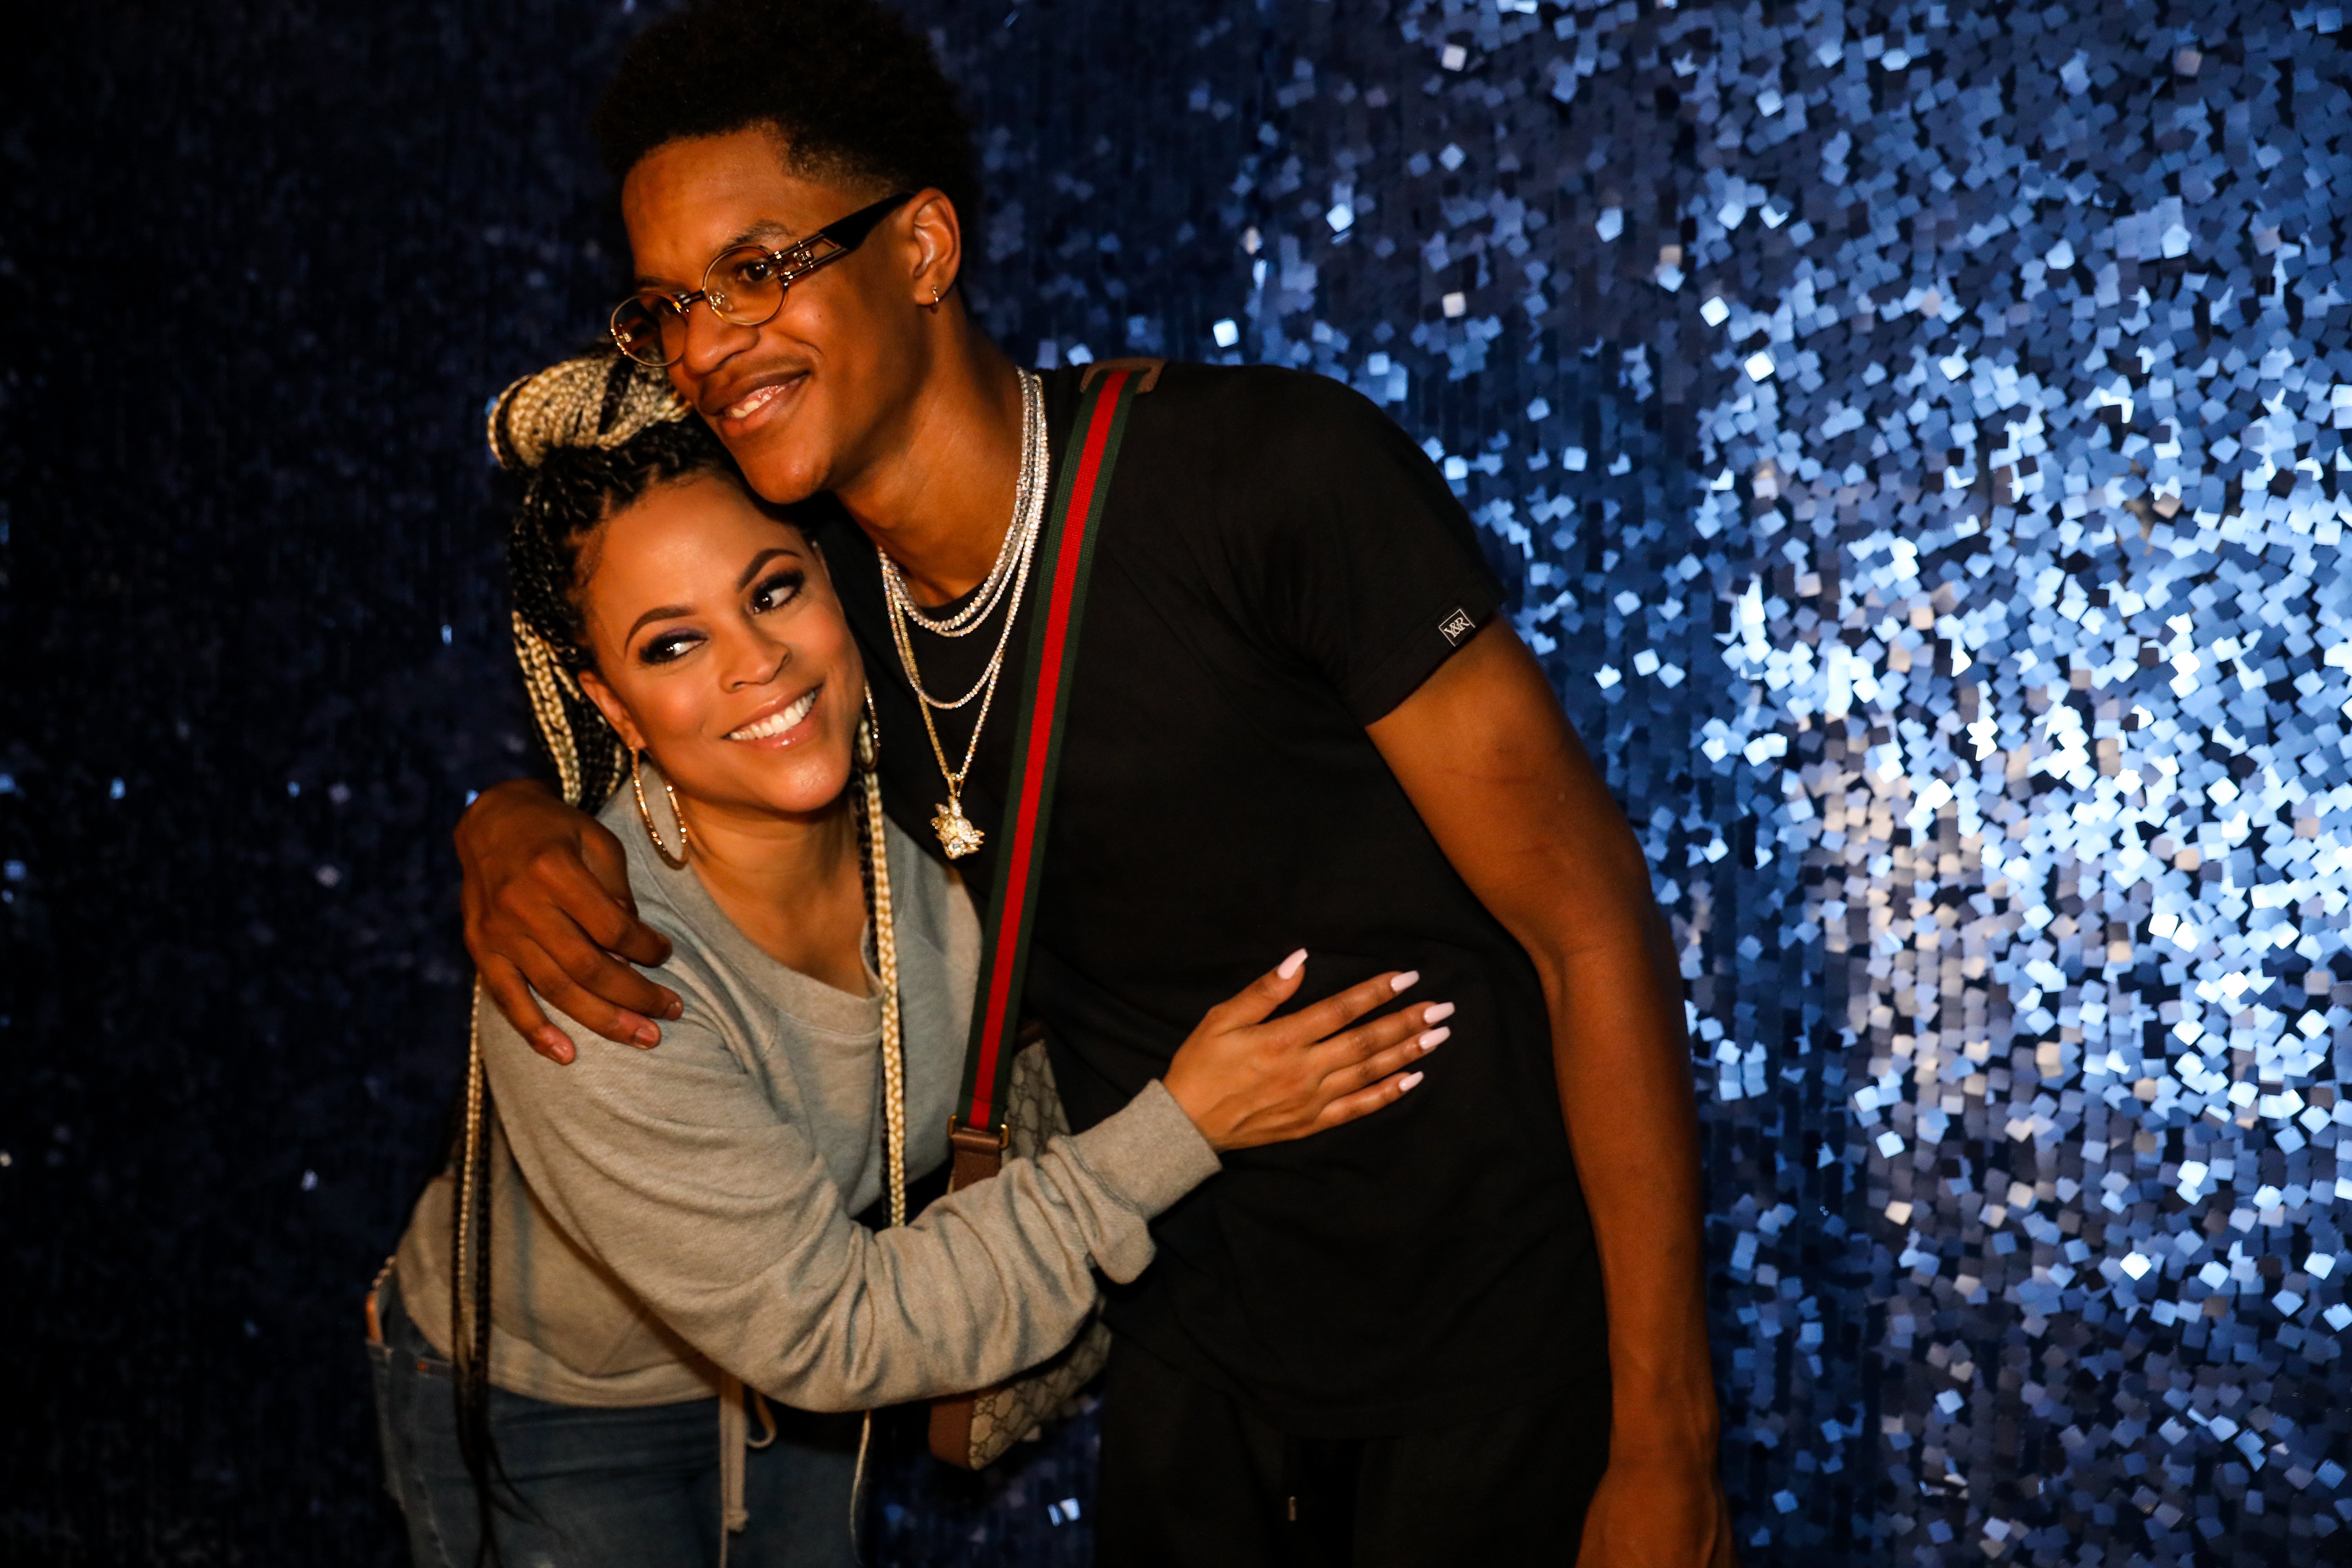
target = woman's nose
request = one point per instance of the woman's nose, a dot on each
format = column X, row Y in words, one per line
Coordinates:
column 757, row 662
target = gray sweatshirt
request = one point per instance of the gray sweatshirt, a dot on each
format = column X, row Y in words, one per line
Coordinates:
column 667, row 1219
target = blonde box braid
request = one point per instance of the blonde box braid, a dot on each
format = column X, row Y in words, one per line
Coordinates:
column 600, row 400
column 602, row 403
column 874, row 860
column 873, row 845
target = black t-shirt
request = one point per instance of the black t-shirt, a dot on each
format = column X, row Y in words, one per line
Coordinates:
column 1277, row 568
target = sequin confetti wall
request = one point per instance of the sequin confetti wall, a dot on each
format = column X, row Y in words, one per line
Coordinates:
column 1913, row 432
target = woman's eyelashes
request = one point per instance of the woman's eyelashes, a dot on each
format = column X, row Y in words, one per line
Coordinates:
column 667, row 646
column 774, row 592
column 778, row 589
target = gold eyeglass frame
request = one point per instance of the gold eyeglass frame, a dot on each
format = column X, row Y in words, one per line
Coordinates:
column 793, row 263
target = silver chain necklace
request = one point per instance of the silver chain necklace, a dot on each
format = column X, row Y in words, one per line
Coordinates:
column 1007, row 580
column 966, row 621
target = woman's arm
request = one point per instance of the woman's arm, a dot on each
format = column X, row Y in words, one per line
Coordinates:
column 675, row 1170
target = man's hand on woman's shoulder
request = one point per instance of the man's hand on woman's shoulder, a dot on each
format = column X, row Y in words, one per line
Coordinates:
column 548, row 910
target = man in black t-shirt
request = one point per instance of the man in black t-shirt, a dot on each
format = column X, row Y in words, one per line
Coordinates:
column 1297, row 720
column 1278, row 570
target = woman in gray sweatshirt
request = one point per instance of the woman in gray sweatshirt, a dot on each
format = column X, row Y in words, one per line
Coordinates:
column 674, row 1227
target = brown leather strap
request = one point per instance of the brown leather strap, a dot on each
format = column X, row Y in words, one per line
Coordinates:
column 1147, row 372
column 978, row 1156
column 951, row 1431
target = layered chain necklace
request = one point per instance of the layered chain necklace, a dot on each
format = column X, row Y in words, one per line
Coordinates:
column 1005, row 584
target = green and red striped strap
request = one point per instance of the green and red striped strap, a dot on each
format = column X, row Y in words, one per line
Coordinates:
column 1067, row 552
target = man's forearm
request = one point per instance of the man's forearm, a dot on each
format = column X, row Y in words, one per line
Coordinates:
column 547, row 909
column 1625, row 1089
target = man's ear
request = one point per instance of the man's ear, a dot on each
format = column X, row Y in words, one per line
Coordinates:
column 937, row 235
column 609, row 704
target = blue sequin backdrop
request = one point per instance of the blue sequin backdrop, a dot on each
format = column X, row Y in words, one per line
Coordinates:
column 1914, row 433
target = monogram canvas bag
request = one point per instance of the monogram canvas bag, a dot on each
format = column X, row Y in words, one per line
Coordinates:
column 976, row 1429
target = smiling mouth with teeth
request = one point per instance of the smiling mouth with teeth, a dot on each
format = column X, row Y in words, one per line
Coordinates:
column 779, row 722
column 756, row 400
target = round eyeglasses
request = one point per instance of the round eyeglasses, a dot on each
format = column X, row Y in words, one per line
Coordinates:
column 745, row 285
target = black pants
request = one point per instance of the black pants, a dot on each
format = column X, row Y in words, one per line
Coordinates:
column 1192, row 1480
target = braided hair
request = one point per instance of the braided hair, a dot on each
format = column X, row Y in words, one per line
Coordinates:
column 591, row 437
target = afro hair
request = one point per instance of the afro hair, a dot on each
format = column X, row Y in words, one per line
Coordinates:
column 855, row 94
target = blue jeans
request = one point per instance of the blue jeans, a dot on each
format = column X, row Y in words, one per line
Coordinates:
column 603, row 1489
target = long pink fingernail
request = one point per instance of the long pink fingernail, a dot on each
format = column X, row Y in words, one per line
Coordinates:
column 1408, row 979
column 1407, row 1082
column 1432, row 1040
column 1437, row 1012
column 1293, row 964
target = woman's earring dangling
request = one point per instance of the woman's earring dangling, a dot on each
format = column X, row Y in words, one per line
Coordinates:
column 638, row 782
column 869, row 748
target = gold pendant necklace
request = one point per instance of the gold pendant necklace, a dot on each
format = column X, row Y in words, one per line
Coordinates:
column 958, row 836
column 1007, row 580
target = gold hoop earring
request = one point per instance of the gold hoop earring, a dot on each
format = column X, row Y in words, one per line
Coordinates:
column 638, row 782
